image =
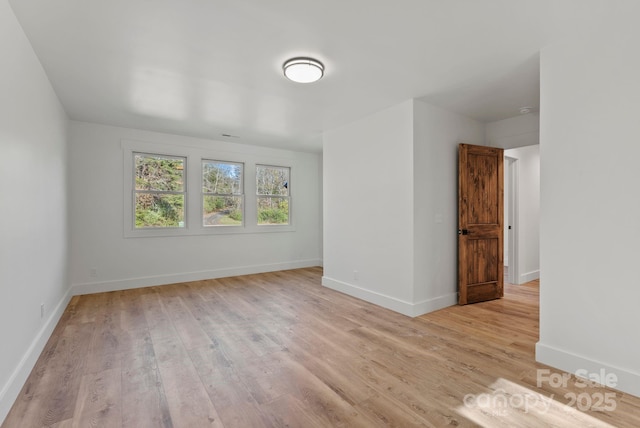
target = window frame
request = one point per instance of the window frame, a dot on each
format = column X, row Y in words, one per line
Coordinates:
column 194, row 153
column 136, row 192
column 288, row 197
column 241, row 194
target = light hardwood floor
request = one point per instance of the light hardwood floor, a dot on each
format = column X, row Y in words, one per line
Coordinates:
column 278, row 349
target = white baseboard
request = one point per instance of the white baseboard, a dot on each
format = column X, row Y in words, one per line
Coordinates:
column 435, row 304
column 628, row 381
column 397, row 305
column 148, row 281
column 529, row 276
column 16, row 381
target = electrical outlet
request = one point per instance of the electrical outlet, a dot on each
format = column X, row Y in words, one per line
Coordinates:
column 41, row 310
column 356, row 275
column 93, row 272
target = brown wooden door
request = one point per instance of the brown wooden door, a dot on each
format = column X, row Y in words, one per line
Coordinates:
column 480, row 223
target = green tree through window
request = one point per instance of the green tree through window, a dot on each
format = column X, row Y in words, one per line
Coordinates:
column 222, row 193
column 159, row 191
column 273, row 194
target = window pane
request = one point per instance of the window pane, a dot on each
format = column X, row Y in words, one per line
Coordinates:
column 221, row 177
column 222, row 210
column 273, row 210
column 153, row 210
column 155, row 172
column 272, row 180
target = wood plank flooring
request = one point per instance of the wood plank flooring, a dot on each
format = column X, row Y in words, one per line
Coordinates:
column 279, row 350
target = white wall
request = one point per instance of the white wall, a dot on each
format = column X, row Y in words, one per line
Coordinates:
column 590, row 205
column 97, row 217
column 437, row 133
column 33, row 214
column 518, row 131
column 368, row 208
column 390, row 206
column 528, row 212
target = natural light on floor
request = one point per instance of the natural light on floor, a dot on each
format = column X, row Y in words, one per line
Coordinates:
column 508, row 404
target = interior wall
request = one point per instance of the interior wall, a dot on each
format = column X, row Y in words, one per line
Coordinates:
column 103, row 259
column 590, row 209
column 528, row 211
column 33, row 218
column 368, row 208
column 390, row 206
column 437, row 133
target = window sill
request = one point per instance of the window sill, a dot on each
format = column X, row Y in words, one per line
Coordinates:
column 208, row 231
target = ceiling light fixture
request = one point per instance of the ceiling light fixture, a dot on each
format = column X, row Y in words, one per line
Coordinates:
column 525, row 110
column 303, row 70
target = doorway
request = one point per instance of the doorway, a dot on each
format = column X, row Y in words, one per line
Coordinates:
column 510, row 218
column 522, row 214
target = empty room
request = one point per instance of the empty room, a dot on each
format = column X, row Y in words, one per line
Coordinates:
column 298, row 214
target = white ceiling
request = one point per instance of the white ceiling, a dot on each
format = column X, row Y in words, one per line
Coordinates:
column 210, row 67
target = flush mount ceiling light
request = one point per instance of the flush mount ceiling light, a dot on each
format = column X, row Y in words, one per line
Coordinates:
column 303, row 70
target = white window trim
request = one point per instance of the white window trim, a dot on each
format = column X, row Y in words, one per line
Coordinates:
column 193, row 208
column 130, row 230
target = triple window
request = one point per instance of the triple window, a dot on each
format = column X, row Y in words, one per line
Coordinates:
column 160, row 193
